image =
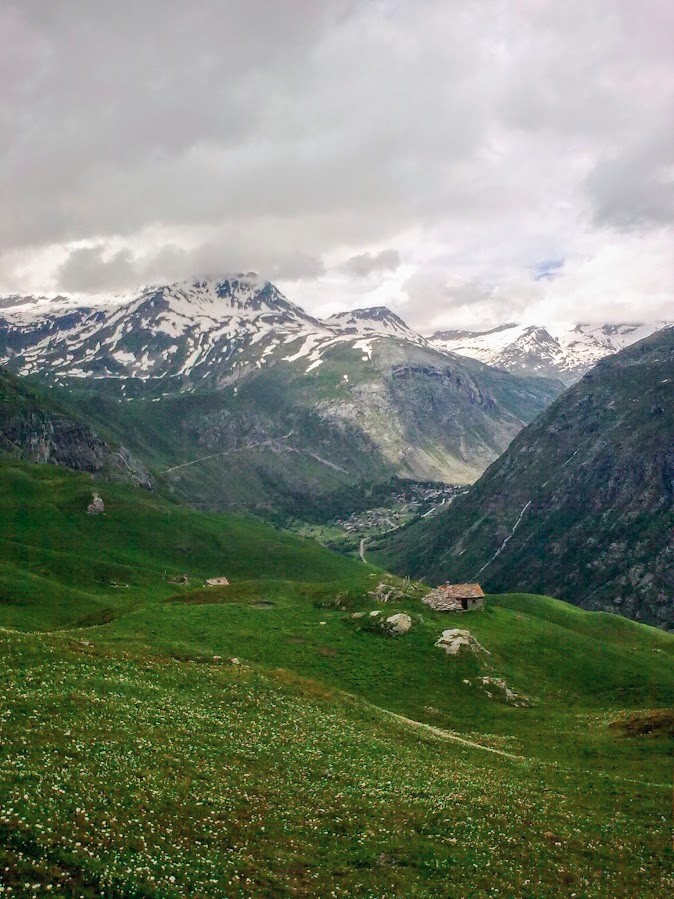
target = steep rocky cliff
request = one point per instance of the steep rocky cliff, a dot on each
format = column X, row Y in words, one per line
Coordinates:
column 36, row 428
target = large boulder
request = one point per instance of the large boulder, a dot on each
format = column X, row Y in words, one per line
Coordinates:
column 455, row 641
column 398, row 624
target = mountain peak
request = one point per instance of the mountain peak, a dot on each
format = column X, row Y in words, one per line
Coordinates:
column 237, row 297
column 371, row 321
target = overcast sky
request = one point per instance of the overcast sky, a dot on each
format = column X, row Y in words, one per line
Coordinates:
column 466, row 162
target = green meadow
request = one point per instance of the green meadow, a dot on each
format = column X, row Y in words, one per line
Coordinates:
column 270, row 739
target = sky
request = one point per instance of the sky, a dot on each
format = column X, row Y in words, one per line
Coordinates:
column 464, row 162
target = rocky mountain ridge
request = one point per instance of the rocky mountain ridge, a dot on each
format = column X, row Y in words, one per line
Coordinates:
column 218, row 330
column 35, row 428
column 188, row 333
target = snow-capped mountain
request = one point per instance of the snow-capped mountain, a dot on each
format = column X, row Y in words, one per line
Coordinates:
column 360, row 393
column 566, row 352
column 283, row 407
column 220, row 329
column 214, row 329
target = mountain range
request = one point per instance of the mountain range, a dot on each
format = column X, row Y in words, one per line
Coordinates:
column 231, row 396
column 580, row 506
column 185, row 335
column 566, row 351
column 215, row 331
column 242, row 399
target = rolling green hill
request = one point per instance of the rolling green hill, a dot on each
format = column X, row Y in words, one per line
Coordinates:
column 271, row 738
column 580, row 506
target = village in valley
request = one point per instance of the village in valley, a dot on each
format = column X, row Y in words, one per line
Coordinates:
column 416, row 501
column 411, row 502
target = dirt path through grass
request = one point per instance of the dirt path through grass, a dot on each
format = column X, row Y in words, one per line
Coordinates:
column 448, row 735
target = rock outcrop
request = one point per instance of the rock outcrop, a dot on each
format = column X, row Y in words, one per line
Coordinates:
column 37, row 428
column 497, row 688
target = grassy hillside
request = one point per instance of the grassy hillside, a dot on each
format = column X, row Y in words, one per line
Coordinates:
column 59, row 565
column 138, row 759
column 164, row 778
column 230, row 450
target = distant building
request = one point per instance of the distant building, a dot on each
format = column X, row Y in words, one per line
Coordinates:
column 455, row 598
column 217, row 582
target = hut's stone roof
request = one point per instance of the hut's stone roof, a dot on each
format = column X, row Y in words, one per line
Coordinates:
column 462, row 591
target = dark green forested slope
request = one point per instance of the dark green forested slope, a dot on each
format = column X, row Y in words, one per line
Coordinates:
column 581, row 506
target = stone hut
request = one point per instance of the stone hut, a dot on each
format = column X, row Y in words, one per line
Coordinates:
column 455, row 598
column 217, row 582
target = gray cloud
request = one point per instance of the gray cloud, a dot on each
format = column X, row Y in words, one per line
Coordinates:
column 87, row 270
column 138, row 114
column 364, row 264
column 158, row 140
column 94, row 270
